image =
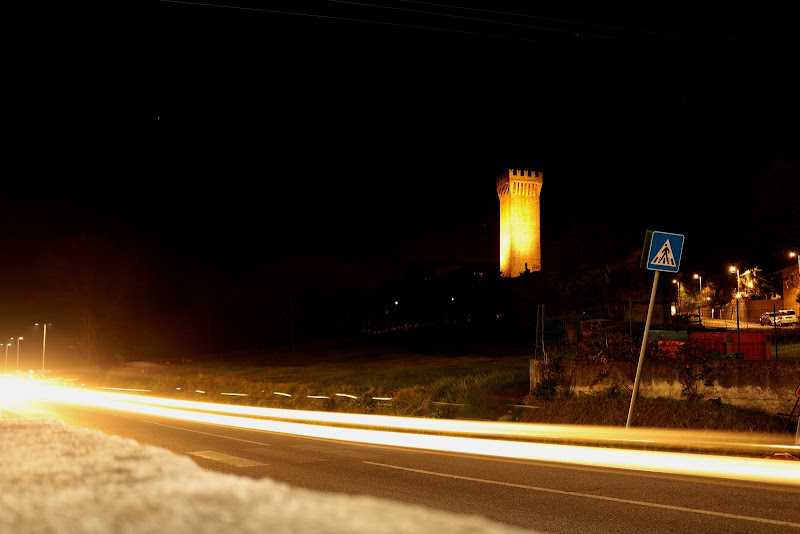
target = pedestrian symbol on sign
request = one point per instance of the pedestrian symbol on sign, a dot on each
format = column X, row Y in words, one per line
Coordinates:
column 664, row 256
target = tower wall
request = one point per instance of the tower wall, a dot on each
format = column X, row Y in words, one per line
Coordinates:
column 520, row 230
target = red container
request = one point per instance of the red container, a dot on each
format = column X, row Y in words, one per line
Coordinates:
column 754, row 345
column 711, row 341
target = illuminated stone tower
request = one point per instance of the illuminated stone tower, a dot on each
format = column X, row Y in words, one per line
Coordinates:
column 520, row 238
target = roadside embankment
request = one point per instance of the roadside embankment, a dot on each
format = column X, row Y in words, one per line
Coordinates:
column 765, row 385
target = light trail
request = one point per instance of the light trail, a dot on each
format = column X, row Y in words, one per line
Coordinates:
column 15, row 390
column 749, row 469
column 683, row 439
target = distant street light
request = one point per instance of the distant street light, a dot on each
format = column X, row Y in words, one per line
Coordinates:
column 18, row 341
column 735, row 269
column 700, row 278
column 5, row 369
column 44, row 340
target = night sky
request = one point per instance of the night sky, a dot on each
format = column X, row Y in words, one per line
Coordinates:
column 388, row 134
column 210, row 141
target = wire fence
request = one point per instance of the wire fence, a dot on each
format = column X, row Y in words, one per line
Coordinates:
column 576, row 336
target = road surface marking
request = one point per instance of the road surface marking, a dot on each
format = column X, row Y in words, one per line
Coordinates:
column 336, row 451
column 598, row 497
column 284, row 455
column 206, row 433
column 225, row 458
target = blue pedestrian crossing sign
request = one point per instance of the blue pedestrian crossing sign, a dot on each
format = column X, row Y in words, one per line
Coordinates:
column 665, row 252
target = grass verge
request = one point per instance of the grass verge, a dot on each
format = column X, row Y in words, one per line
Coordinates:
column 438, row 386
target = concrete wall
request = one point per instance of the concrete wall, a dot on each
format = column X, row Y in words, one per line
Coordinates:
column 765, row 385
column 750, row 310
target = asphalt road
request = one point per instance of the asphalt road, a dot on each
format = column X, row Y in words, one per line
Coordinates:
column 547, row 497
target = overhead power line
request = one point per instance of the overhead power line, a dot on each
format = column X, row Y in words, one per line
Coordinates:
column 345, row 19
column 576, row 31
column 549, row 19
column 577, row 26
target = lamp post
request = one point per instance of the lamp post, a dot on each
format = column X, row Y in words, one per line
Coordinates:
column 699, row 295
column 19, row 339
column 5, row 369
column 44, row 341
column 738, row 333
column 677, row 294
column 735, row 269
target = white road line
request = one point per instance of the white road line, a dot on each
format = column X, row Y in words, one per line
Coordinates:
column 335, row 451
column 206, row 433
column 288, row 456
column 597, row 497
column 225, row 458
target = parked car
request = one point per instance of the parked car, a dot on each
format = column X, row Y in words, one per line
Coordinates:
column 767, row 319
column 787, row 318
column 781, row 318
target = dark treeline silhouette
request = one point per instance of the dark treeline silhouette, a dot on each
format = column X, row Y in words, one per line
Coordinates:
column 111, row 304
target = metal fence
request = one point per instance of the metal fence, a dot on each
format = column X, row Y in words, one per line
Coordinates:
column 569, row 335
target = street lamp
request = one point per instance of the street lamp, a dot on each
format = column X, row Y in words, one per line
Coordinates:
column 735, row 269
column 5, row 369
column 738, row 332
column 700, row 278
column 44, row 340
column 18, row 341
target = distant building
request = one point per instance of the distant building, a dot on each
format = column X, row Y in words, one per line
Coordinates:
column 790, row 284
column 520, row 235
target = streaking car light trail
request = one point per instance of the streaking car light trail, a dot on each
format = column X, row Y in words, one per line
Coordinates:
column 705, row 440
column 748, row 469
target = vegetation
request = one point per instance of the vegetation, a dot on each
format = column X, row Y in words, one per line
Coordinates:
column 485, row 387
column 612, row 409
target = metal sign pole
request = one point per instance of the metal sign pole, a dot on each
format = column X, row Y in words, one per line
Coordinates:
column 661, row 252
column 643, row 349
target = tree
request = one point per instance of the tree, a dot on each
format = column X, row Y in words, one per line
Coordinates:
column 756, row 285
column 692, row 295
column 98, row 284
